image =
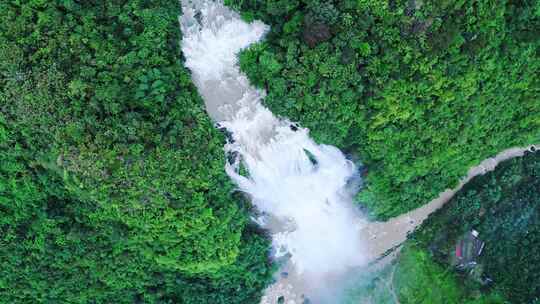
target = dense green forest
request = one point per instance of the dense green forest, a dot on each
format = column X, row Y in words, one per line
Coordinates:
column 112, row 181
column 420, row 90
column 112, row 188
column 503, row 206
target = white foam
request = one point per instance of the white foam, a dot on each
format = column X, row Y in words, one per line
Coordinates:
column 309, row 195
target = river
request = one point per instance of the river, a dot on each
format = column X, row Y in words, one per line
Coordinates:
column 303, row 191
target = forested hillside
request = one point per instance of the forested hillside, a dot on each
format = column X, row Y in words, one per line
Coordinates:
column 438, row 265
column 112, row 180
column 112, row 188
column 420, row 90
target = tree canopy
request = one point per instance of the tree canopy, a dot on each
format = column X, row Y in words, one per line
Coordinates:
column 503, row 207
column 420, row 90
column 112, row 186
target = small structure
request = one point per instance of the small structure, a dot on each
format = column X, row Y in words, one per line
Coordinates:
column 468, row 248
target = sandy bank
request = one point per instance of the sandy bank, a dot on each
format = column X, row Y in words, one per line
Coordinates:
column 383, row 236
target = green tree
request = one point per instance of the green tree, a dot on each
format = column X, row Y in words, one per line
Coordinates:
column 420, row 90
column 112, row 186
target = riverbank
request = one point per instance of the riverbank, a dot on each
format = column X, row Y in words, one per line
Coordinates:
column 480, row 247
column 382, row 237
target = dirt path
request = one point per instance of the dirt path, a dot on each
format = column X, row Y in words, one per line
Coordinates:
column 382, row 236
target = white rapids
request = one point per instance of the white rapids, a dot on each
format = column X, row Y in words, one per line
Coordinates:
column 302, row 189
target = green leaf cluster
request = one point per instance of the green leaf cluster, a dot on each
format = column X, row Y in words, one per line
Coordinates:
column 504, row 207
column 415, row 278
column 419, row 90
column 112, row 188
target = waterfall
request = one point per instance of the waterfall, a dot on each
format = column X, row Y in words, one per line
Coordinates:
column 301, row 189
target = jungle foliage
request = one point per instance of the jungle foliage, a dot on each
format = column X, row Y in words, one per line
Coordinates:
column 504, row 207
column 112, row 188
column 420, row 90
column 414, row 278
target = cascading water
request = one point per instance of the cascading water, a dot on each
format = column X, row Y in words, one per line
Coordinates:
column 300, row 187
